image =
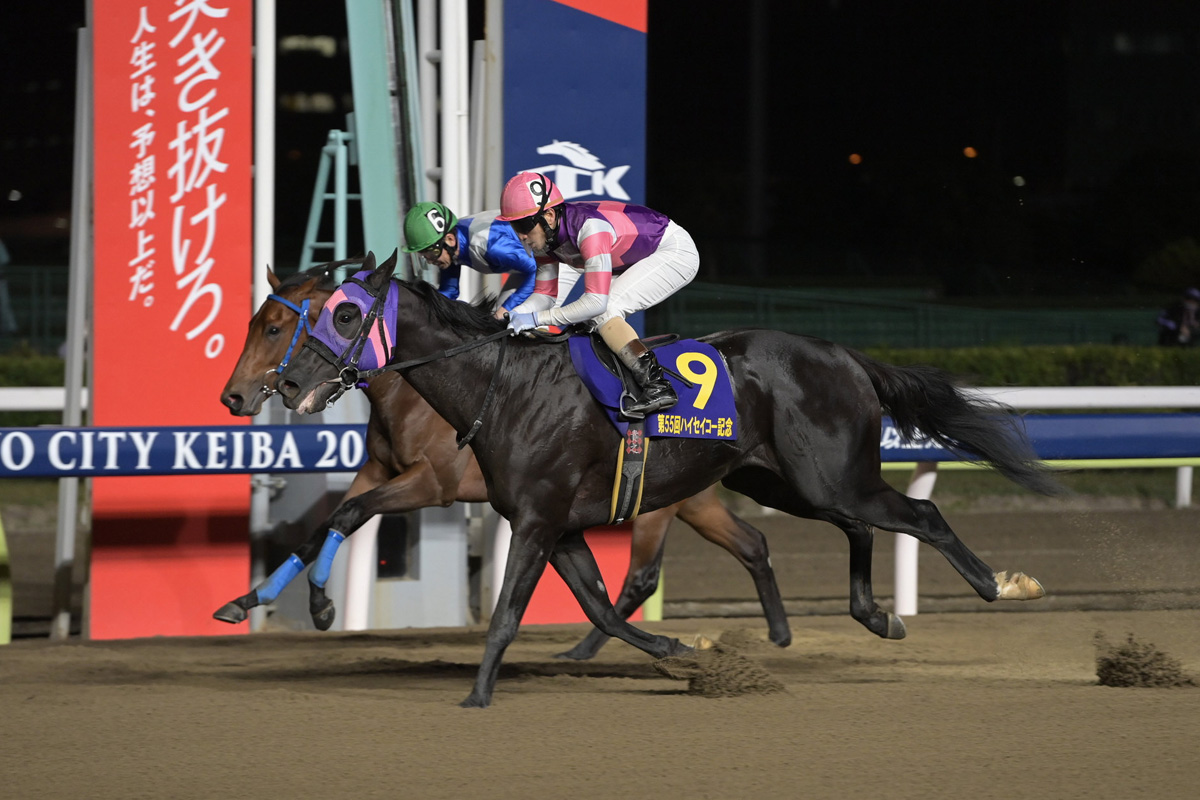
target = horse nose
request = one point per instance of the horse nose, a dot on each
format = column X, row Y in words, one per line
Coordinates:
column 288, row 389
column 233, row 401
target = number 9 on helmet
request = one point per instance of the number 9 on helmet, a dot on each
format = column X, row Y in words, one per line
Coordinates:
column 527, row 194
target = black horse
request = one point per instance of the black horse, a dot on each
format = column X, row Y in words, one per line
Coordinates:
column 808, row 414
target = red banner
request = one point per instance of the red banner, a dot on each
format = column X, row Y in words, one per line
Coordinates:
column 173, row 101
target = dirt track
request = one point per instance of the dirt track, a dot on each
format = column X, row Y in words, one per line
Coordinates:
column 1000, row 702
column 970, row 705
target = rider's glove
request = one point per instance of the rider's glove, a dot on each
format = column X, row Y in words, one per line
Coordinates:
column 518, row 321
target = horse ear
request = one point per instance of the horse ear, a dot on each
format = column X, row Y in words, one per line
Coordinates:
column 369, row 261
column 383, row 272
column 273, row 279
column 389, row 267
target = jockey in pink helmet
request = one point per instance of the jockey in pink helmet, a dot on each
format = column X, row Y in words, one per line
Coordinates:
column 631, row 257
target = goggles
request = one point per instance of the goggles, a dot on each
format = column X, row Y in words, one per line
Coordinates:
column 525, row 224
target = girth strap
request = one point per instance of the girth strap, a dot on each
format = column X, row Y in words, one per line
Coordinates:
column 631, row 464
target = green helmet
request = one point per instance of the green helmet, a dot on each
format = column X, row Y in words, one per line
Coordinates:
column 425, row 224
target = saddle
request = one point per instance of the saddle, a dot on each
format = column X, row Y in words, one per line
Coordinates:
column 705, row 409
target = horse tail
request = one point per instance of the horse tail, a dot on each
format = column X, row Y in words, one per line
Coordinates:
column 924, row 400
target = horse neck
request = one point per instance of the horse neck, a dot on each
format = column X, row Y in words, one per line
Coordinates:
column 454, row 385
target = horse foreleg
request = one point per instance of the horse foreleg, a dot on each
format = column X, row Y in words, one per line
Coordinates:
column 525, row 564
column 417, row 487
column 645, row 564
column 575, row 564
column 321, row 546
column 716, row 523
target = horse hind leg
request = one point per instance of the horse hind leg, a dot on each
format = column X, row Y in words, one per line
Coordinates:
column 711, row 519
column 893, row 511
column 879, row 621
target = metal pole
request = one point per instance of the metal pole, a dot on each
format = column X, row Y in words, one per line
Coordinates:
column 341, row 182
column 77, row 330
column 478, row 120
column 427, row 74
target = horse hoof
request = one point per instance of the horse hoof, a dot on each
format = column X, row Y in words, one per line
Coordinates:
column 895, row 627
column 1017, row 586
column 323, row 617
column 575, row 654
column 678, row 648
column 231, row 613
column 474, row 701
column 783, row 639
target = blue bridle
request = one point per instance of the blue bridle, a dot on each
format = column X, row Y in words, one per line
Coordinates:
column 303, row 325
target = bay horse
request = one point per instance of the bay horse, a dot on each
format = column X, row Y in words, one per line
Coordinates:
column 413, row 462
column 808, row 416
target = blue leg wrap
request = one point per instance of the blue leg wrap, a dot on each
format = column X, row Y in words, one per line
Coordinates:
column 269, row 589
column 324, row 562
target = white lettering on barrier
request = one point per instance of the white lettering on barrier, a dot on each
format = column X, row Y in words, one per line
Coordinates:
column 216, row 449
column 349, row 449
column 110, row 439
column 56, row 459
column 892, row 440
column 143, row 446
column 184, row 457
column 289, row 454
column 7, row 447
column 260, row 450
column 85, row 452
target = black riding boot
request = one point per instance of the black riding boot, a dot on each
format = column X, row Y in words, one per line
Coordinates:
column 656, row 391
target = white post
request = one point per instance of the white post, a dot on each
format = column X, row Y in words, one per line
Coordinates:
column 1183, row 487
column 500, row 545
column 907, row 548
column 359, row 577
column 456, row 123
column 264, row 149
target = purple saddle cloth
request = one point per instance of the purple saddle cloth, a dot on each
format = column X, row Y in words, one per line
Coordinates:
column 705, row 409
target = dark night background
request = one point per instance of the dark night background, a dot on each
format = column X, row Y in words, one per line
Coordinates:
column 1085, row 186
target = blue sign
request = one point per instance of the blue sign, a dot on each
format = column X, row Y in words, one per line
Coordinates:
column 204, row 450
column 575, row 100
column 103, row 452
column 1075, row 436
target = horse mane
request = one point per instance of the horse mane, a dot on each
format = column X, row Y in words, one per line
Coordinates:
column 473, row 317
column 324, row 274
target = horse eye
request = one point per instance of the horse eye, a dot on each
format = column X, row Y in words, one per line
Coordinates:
column 346, row 318
column 272, row 330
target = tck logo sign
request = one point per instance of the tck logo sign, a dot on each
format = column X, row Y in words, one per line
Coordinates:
column 584, row 174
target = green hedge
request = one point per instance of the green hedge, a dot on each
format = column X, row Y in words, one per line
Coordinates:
column 1080, row 365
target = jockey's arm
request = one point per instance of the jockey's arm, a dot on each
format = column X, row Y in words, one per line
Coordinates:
column 596, row 239
column 448, row 281
column 507, row 258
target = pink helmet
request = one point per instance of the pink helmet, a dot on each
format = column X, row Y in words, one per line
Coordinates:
column 526, row 194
